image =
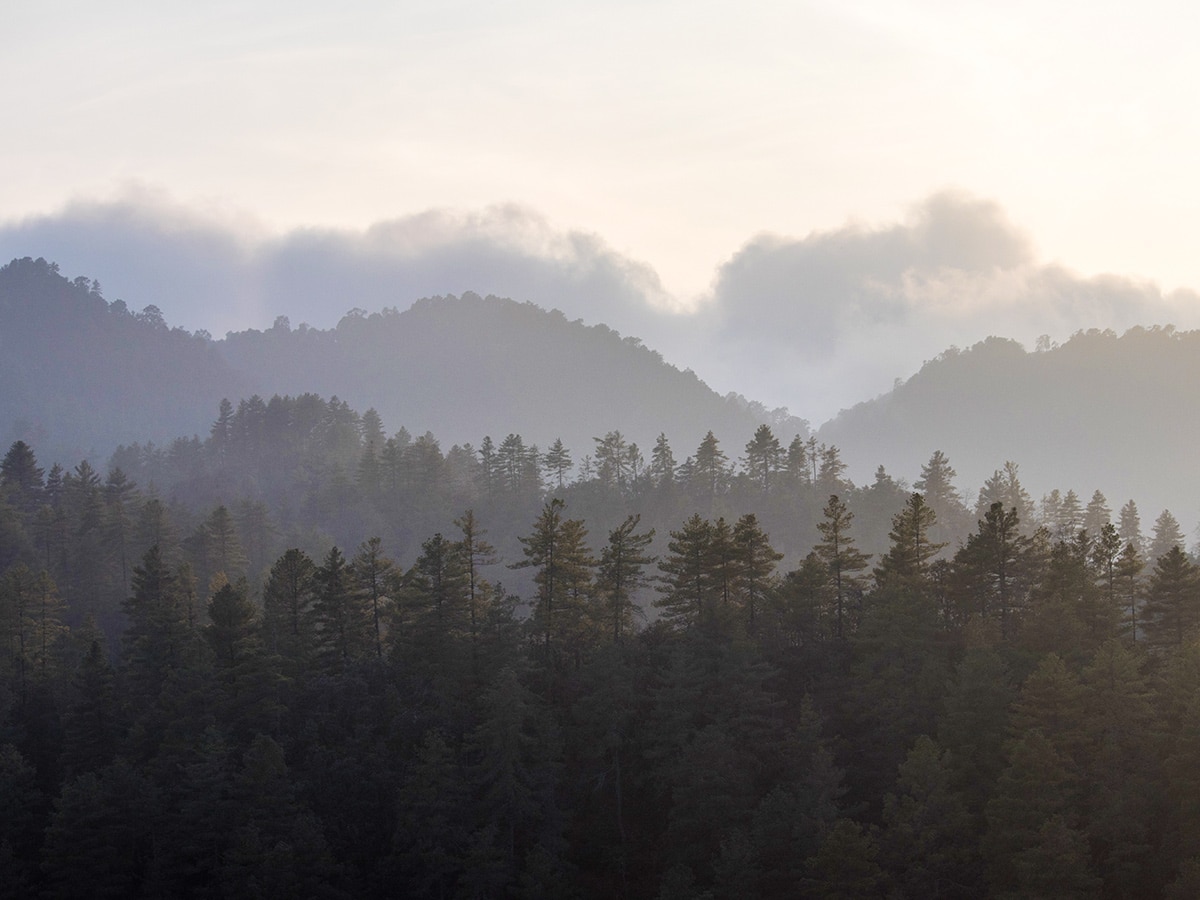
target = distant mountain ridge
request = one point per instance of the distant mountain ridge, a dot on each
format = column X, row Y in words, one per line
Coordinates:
column 1101, row 411
column 83, row 375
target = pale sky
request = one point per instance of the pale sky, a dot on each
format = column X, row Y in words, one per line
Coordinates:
column 674, row 134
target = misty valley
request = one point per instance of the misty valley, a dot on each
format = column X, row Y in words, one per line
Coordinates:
column 589, row 629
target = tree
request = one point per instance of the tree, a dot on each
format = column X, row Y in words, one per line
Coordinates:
column 936, row 485
column 992, row 560
column 829, row 476
column 557, row 462
column 555, row 551
column 928, row 838
column 688, row 586
column 906, row 564
column 754, row 567
column 710, row 471
column 1167, row 534
column 1172, row 609
column 842, row 559
column 372, row 569
column 621, row 573
column 764, row 454
column 1004, row 487
column 476, row 553
column 21, row 476
column 342, row 613
column 1097, row 514
column 612, row 461
column 218, row 549
column 662, row 463
column 435, row 597
column 289, row 597
column 157, row 632
column 1130, row 527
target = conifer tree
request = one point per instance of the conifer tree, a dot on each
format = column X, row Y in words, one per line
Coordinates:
column 1172, row 609
column 621, row 573
column 372, row 569
column 1167, row 534
column 560, row 561
column 476, row 553
column 754, row 568
column 764, row 455
column 906, row 563
column 289, row 598
column 1097, row 514
column 557, row 463
column 156, row 639
column 343, row 616
column 662, row 463
column 842, row 559
column 689, row 583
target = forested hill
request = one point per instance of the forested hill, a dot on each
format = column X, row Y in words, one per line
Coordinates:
column 81, row 375
column 1101, row 410
column 465, row 366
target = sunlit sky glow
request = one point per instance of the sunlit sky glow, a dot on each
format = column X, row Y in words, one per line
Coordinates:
column 674, row 132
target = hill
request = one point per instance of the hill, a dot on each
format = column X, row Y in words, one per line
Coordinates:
column 465, row 367
column 1101, row 411
column 83, row 375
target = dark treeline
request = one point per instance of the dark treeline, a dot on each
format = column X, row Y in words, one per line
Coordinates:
column 282, row 661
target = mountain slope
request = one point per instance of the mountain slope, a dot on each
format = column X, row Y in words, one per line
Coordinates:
column 465, row 367
column 81, row 375
column 1100, row 411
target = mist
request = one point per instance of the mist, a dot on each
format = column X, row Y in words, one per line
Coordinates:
column 814, row 323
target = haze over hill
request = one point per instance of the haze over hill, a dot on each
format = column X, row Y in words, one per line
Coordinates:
column 1101, row 411
column 83, row 375
column 813, row 322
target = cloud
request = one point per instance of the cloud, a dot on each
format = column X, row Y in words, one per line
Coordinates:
column 219, row 272
column 835, row 317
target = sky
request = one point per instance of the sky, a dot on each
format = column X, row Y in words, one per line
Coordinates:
column 800, row 201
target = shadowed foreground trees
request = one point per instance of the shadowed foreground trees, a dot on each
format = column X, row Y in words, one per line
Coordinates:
column 688, row 714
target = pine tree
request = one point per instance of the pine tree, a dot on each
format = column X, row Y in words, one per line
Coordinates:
column 342, row 613
column 621, row 573
column 1172, row 609
column 476, row 553
column 662, row 463
column 21, row 477
column 372, row 569
column 437, row 603
column 289, row 598
column 906, row 563
column 554, row 550
column 1097, row 514
column 157, row 636
column 842, row 559
column 754, row 568
column 557, row 463
column 710, row 471
column 764, row 455
column 1167, row 534
column 688, row 589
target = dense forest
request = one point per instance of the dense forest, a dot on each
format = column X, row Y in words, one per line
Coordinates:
column 301, row 657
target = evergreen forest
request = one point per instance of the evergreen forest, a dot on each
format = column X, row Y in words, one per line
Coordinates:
column 304, row 657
